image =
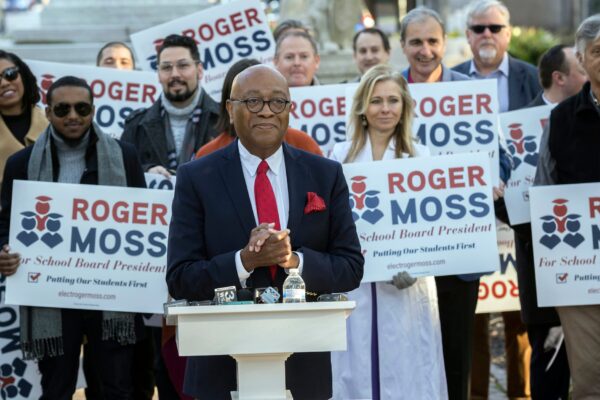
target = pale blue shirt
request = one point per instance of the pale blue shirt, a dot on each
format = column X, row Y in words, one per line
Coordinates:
column 501, row 76
column 278, row 179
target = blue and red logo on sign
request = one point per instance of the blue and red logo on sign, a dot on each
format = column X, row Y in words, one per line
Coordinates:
column 561, row 226
column 12, row 382
column 522, row 148
column 364, row 202
column 40, row 225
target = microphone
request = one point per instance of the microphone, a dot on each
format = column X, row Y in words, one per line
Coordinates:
column 228, row 296
column 333, row 297
column 225, row 295
column 268, row 295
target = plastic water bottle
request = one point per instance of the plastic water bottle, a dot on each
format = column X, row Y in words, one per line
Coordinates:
column 294, row 290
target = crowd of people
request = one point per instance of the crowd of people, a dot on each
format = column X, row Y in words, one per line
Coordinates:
column 241, row 217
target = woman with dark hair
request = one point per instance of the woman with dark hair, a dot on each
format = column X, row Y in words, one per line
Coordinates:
column 293, row 137
column 394, row 331
column 21, row 121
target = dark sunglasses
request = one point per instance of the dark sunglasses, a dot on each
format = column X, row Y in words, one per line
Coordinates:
column 63, row 109
column 479, row 29
column 10, row 73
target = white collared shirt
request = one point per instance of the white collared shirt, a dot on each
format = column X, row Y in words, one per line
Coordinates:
column 501, row 75
column 548, row 102
column 278, row 179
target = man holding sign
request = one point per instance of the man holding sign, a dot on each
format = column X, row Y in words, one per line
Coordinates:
column 423, row 40
column 72, row 150
column 569, row 155
column 170, row 132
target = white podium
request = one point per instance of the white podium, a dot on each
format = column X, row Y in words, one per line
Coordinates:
column 260, row 337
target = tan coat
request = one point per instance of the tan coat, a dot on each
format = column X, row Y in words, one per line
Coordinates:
column 10, row 145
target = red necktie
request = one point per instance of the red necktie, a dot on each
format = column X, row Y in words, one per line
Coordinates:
column 266, row 206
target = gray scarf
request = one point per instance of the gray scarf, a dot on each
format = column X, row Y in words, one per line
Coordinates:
column 41, row 327
column 191, row 138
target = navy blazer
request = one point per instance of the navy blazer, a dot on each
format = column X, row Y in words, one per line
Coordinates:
column 523, row 82
column 211, row 220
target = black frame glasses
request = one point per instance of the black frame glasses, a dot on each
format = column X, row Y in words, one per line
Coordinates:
column 256, row 104
column 10, row 73
column 494, row 28
column 82, row 109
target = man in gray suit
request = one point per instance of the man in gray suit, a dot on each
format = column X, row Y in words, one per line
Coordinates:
column 488, row 33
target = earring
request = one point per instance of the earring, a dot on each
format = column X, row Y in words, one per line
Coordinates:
column 364, row 121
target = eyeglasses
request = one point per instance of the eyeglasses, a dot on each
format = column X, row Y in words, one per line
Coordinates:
column 255, row 104
column 182, row 65
column 479, row 29
column 61, row 110
column 10, row 73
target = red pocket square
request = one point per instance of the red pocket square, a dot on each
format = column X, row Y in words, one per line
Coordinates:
column 314, row 203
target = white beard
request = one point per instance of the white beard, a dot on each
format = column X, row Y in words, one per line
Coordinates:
column 488, row 53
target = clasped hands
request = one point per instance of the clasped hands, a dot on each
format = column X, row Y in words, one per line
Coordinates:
column 268, row 246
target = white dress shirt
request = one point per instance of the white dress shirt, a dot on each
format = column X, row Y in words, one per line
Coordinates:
column 278, row 179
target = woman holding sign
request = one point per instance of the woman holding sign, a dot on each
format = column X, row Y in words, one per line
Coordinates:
column 394, row 339
column 21, row 121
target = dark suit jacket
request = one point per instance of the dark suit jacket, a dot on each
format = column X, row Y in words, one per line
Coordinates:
column 523, row 82
column 212, row 219
column 145, row 129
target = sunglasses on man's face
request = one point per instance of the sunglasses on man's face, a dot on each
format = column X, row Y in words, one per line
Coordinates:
column 63, row 109
column 479, row 29
column 10, row 73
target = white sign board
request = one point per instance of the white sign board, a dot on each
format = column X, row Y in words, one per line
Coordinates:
column 158, row 181
column 454, row 117
column 89, row 247
column 116, row 92
column 21, row 379
column 523, row 131
column 225, row 34
column 499, row 291
column 565, row 228
column 320, row 111
column 426, row 215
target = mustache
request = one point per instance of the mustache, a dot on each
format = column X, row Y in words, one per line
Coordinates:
column 176, row 81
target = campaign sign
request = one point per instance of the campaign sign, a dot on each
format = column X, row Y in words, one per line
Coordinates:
column 523, row 131
column 499, row 291
column 157, row 181
column 225, row 34
column 116, row 92
column 89, row 247
column 455, row 117
column 565, row 228
column 426, row 215
column 20, row 378
column 320, row 111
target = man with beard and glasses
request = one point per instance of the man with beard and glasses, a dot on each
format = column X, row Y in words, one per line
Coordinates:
column 488, row 33
column 170, row 132
column 166, row 135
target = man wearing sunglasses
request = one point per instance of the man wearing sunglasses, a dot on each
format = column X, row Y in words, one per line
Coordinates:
column 245, row 214
column 182, row 120
column 488, row 33
column 73, row 150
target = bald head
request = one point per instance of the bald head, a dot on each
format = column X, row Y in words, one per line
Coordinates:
column 247, row 79
column 259, row 109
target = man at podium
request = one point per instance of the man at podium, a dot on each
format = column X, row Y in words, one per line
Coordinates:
column 245, row 214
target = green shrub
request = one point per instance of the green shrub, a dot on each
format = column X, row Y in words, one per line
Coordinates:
column 529, row 44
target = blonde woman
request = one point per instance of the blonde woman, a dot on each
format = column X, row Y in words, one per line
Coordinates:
column 394, row 340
